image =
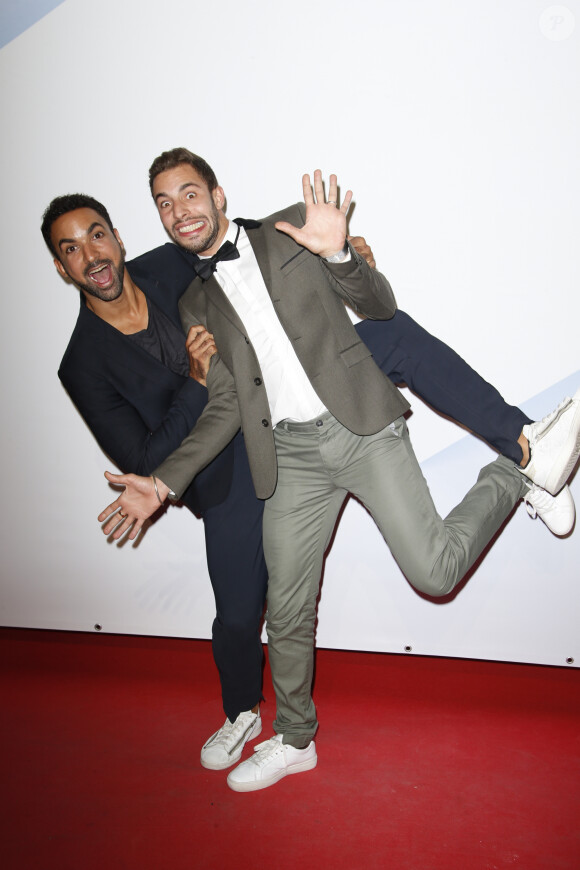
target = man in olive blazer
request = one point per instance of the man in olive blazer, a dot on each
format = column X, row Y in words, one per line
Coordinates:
column 308, row 296
column 361, row 420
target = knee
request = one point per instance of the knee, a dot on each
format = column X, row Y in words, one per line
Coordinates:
column 437, row 581
column 297, row 622
column 239, row 623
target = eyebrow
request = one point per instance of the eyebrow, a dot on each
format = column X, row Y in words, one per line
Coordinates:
column 95, row 224
column 182, row 187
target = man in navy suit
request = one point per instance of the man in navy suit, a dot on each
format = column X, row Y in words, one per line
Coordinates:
column 127, row 370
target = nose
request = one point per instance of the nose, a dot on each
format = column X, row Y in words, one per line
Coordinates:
column 90, row 252
column 182, row 209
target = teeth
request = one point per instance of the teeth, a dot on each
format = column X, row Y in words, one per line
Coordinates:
column 191, row 227
column 100, row 269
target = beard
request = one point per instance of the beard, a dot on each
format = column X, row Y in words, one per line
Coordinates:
column 115, row 288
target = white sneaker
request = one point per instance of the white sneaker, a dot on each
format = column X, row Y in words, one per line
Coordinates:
column 271, row 761
column 556, row 511
column 554, row 445
column 225, row 747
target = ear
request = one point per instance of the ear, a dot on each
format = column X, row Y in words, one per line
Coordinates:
column 120, row 240
column 60, row 268
column 219, row 197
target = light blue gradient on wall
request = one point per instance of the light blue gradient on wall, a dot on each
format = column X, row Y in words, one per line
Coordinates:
column 16, row 16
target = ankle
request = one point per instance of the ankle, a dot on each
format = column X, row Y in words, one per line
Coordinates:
column 525, row 447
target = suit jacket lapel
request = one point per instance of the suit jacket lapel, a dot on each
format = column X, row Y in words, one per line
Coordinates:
column 214, row 295
column 258, row 240
column 119, row 347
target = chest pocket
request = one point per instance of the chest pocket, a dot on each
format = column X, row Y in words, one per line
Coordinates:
column 298, row 259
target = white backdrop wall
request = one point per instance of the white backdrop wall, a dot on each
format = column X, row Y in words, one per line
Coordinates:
column 455, row 122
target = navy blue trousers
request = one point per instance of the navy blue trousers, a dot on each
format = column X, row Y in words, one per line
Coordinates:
column 237, row 570
column 406, row 353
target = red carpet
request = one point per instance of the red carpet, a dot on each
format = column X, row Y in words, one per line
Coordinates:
column 423, row 763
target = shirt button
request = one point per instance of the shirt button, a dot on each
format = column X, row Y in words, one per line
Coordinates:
column 265, row 423
column 257, row 381
column 319, row 423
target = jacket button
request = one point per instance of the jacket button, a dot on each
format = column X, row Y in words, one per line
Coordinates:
column 257, row 381
column 265, row 423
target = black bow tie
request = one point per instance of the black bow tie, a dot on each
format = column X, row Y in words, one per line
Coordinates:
column 205, row 268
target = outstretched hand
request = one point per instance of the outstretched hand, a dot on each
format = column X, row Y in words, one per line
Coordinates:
column 135, row 504
column 324, row 231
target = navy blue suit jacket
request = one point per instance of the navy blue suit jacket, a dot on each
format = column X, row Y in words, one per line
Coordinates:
column 138, row 409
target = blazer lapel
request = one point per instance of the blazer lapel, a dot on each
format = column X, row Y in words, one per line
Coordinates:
column 118, row 348
column 212, row 295
column 258, row 240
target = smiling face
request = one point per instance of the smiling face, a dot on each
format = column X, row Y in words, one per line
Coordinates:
column 89, row 253
column 190, row 212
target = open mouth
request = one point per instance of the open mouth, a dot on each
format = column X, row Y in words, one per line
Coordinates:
column 101, row 275
column 187, row 229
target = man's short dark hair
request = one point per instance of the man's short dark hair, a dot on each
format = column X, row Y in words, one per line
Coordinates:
column 177, row 157
column 62, row 205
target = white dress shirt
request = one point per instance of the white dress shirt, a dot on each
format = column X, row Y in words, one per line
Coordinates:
column 290, row 393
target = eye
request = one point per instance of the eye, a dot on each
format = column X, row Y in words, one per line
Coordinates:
column 99, row 234
column 163, row 204
column 190, row 195
column 70, row 249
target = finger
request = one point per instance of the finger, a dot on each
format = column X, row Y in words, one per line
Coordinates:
column 198, row 338
column 118, row 479
column 110, row 509
column 318, row 186
column 361, row 247
column 333, row 190
column 119, row 524
column 289, row 229
column 306, row 190
column 346, row 202
column 195, row 330
column 131, row 527
column 202, row 349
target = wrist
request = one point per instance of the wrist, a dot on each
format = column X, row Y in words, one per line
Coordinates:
column 162, row 491
column 338, row 256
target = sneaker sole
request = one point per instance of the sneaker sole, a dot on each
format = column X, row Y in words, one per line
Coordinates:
column 256, row 785
column 223, row 765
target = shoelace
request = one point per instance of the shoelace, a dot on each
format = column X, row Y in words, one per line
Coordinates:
column 230, row 731
column 541, row 500
column 264, row 751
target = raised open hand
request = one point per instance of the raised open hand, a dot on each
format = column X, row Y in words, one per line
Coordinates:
column 324, row 231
